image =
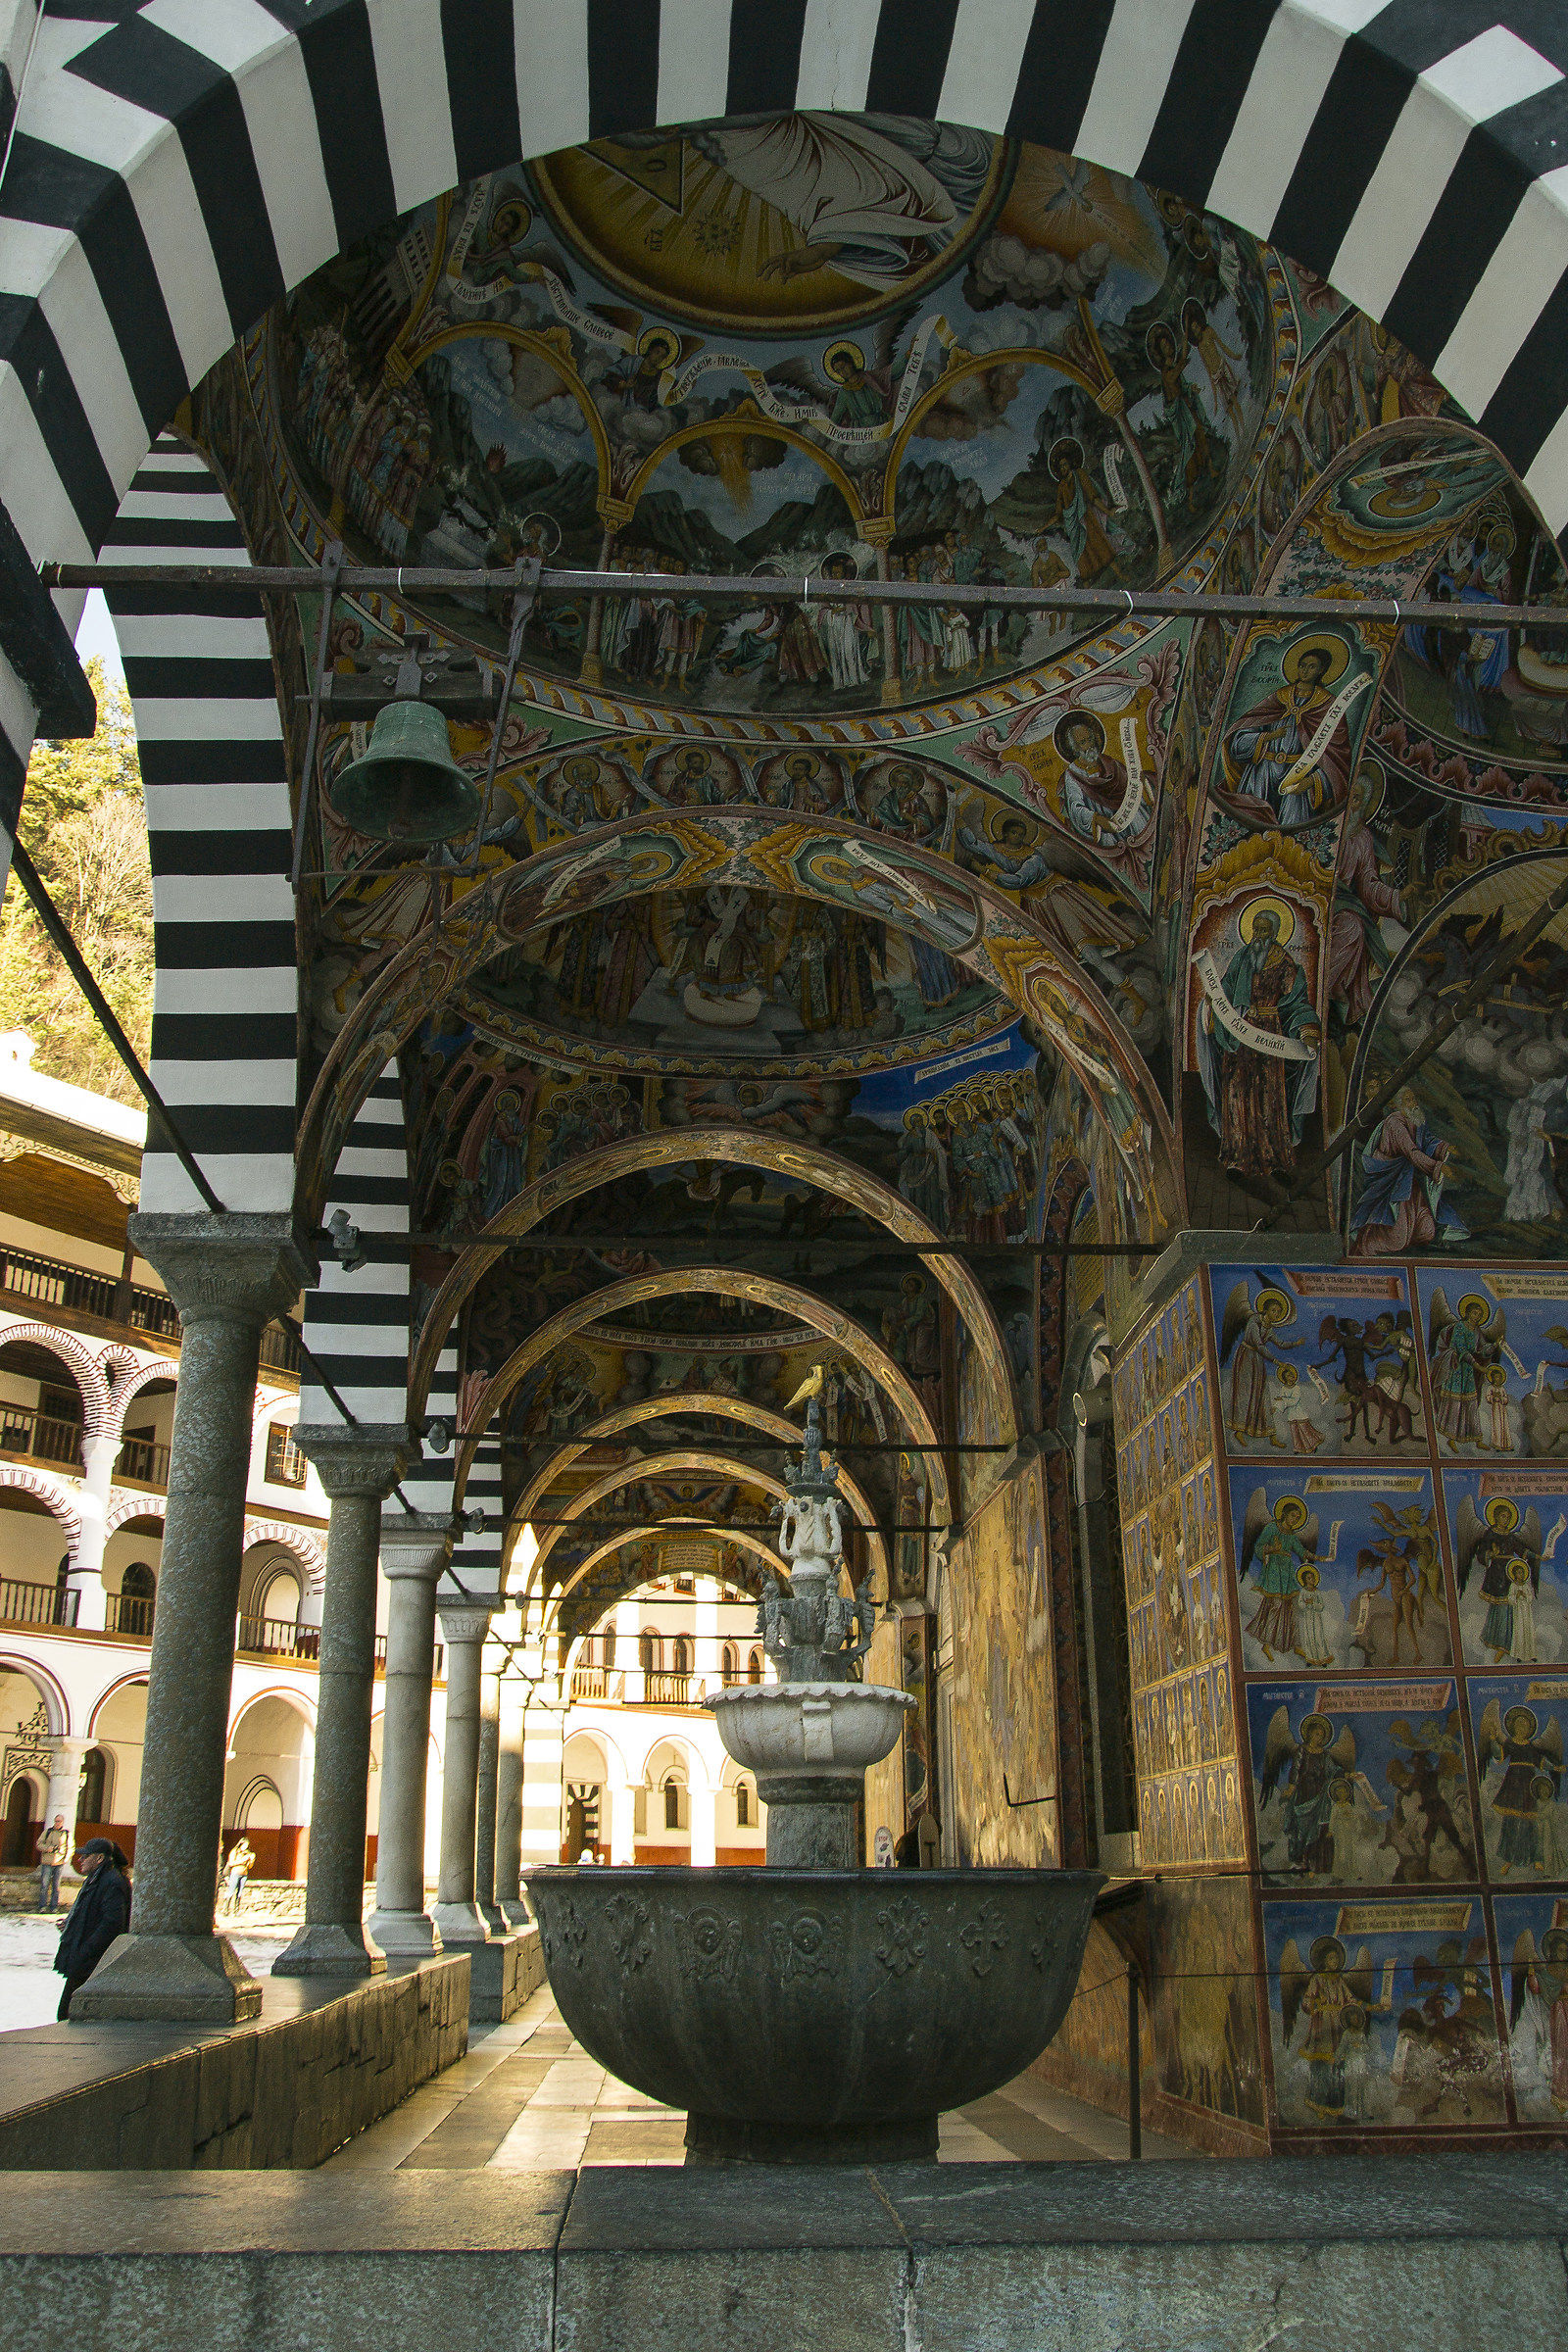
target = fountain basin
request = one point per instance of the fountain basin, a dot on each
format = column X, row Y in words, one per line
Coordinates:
column 831, row 1730
column 814, row 2016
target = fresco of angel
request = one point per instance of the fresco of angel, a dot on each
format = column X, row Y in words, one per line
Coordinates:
column 1460, row 1344
column 1330, row 1999
column 1248, row 1346
column 1308, row 1765
column 1538, row 2022
column 1501, row 1549
column 1276, row 1547
column 1524, row 1824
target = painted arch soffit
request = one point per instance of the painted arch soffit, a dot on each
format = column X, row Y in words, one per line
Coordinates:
column 841, row 1331
column 688, row 1404
column 824, row 1171
column 589, row 1591
column 835, row 864
column 740, row 1480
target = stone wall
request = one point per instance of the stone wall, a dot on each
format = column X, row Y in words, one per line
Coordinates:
column 281, row 2093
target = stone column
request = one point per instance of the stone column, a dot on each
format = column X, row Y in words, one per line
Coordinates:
column 358, row 1467
column 623, row 1824
column 486, row 1791
column 509, row 1809
column 227, row 1275
column 414, row 1550
column 86, row 1577
column 702, row 1802
column 457, row 1915
column 65, row 1783
column 541, row 1777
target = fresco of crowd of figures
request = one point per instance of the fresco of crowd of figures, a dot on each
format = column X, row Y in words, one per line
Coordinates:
column 1385, row 1563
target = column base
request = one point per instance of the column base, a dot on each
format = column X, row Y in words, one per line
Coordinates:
column 200, row 1980
column 404, row 1935
column 495, row 1918
column 329, row 1950
column 516, row 1913
column 458, row 1924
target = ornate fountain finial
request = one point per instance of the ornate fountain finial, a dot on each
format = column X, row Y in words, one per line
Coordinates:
column 814, row 1631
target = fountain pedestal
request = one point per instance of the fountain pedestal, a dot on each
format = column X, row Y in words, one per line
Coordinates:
column 813, row 2012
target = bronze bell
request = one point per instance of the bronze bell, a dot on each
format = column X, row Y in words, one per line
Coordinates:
column 407, row 787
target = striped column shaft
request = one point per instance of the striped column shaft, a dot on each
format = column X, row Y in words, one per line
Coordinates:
column 357, row 1323
column 199, row 670
column 476, row 1554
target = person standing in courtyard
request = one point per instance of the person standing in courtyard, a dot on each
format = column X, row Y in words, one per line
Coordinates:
column 53, row 1847
column 100, row 1913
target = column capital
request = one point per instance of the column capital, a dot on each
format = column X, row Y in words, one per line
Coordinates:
column 416, row 1543
column 236, row 1264
column 368, row 1459
column 462, row 1621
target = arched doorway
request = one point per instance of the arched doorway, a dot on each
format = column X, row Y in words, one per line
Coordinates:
column 20, row 1834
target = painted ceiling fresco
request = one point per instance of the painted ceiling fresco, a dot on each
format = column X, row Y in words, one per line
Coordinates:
column 1019, row 922
column 1051, row 376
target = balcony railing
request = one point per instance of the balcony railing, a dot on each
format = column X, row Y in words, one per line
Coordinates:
column 36, row 1604
column 278, row 1638
column 49, row 1281
column 670, row 1689
column 130, row 1613
column 40, row 1437
column 597, row 1682
column 143, row 1461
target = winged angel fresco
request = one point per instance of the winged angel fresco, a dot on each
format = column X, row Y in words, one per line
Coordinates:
column 1334, row 1995
column 1463, row 1344
column 1501, row 1546
column 1525, row 1822
column 1323, row 1798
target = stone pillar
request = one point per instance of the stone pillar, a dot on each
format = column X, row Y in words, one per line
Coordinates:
column 227, row 1275
column 623, row 1824
column 457, row 1915
column 65, row 1783
column 486, row 1788
column 541, row 1779
column 703, row 1803
column 414, row 1550
column 358, row 1467
column 85, row 1576
column 509, row 1809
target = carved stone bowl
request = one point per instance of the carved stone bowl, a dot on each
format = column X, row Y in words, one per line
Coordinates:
column 814, row 2016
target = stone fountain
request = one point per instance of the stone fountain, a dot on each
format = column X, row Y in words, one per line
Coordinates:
column 812, row 2011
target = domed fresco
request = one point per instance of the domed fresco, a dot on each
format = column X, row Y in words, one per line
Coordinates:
column 633, row 356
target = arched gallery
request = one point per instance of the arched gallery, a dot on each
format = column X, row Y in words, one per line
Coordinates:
column 1117, row 1045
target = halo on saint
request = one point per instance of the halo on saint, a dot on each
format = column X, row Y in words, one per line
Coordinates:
column 844, row 350
column 1293, row 1505
column 1283, row 915
column 655, row 339
column 1322, row 640
column 1474, row 1298
column 1502, row 1514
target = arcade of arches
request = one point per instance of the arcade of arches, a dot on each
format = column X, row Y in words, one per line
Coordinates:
column 960, row 1000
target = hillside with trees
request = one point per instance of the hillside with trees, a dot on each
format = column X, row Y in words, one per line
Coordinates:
column 84, row 825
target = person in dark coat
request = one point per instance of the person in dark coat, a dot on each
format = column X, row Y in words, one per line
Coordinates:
column 100, row 1913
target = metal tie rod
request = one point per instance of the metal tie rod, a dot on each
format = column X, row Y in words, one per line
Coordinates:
column 1092, row 604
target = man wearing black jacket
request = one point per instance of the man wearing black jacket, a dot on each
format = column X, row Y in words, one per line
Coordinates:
column 100, row 1913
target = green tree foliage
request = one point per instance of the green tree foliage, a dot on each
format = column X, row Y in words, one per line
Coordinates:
column 84, row 825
